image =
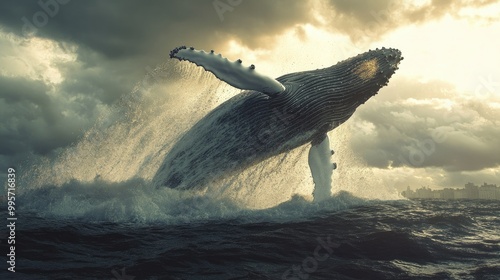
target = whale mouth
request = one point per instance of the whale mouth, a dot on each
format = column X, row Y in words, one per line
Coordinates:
column 392, row 58
column 392, row 55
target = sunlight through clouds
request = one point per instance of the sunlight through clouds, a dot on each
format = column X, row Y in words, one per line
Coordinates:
column 34, row 58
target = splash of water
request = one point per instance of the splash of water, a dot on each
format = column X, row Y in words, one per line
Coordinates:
column 106, row 175
column 131, row 139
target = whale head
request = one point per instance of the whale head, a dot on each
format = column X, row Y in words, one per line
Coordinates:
column 332, row 94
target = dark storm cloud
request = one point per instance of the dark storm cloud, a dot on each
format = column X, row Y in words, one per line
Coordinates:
column 149, row 29
column 39, row 117
column 419, row 133
column 117, row 40
column 117, row 43
column 31, row 119
column 98, row 78
column 124, row 29
column 368, row 20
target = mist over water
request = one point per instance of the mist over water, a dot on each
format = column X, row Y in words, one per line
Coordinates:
column 107, row 174
column 131, row 139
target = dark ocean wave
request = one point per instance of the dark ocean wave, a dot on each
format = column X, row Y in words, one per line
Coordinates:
column 367, row 240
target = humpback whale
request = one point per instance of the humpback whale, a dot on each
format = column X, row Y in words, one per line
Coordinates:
column 272, row 116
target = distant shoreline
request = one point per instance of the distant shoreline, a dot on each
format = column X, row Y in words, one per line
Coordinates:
column 471, row 191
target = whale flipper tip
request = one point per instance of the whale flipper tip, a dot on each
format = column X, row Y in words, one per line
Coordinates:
column 174, row 52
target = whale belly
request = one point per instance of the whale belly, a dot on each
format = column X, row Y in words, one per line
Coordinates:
column 239, row 133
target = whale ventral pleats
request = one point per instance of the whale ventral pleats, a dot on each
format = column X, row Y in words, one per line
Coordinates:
column 233, row 73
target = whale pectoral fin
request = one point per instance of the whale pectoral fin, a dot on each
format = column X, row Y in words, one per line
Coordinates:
column 321, row 167
column 233, row 73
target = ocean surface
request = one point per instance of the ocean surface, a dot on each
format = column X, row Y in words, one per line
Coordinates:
column 344, row 237
column 90, row 211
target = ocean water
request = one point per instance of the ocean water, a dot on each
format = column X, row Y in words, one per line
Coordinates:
column 90, row 211
column 341, row 238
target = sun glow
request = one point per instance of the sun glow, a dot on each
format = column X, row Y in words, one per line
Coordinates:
column 34, row 58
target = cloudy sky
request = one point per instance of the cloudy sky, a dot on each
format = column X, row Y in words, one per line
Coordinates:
column 436, row 124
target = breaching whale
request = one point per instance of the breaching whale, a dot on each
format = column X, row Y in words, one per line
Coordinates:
column 272, row 116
